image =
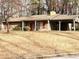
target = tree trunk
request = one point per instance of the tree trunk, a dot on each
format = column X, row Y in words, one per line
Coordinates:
column 7, row 27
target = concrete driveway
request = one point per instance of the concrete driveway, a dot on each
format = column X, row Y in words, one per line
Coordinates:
column 73, row 57
column 65, row 57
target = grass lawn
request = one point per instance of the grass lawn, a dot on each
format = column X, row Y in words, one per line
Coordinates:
column 21, row 45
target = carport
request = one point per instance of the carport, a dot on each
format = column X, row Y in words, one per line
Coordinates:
column 61, row 22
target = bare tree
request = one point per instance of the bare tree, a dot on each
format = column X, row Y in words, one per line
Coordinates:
column 25, row 8
column 6, row 8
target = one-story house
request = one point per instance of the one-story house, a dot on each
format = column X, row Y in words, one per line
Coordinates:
column 44, row 22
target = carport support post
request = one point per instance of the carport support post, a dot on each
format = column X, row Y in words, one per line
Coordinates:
column 49, row 28
column 35, row 25
column 74, row 25
column 2, row 27
column 22, row 25
column 59, row 25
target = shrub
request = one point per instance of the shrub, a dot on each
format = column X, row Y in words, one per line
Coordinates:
column 17, row 28
column 27, row 28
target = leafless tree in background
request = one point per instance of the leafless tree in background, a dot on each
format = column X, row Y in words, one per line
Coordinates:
column 25, row 8
column 7, row 8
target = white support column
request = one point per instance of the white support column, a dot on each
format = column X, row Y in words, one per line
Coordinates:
column 59, row 25
column 49, row 28
column 74, row 25
column 22, row 25
column 2, row 27
column 35, row 25
column 70, row 26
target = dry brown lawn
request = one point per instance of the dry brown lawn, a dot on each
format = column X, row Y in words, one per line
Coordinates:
column 24, row 45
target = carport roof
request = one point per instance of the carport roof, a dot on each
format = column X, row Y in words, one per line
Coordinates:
column 65, row 17
column 43, row 17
